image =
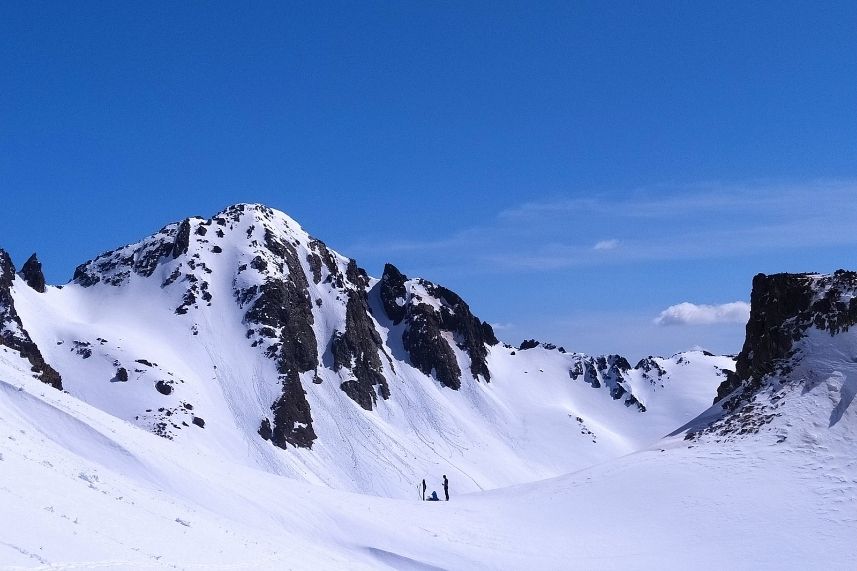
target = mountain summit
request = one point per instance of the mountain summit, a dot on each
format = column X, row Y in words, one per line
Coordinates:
column 244, row 334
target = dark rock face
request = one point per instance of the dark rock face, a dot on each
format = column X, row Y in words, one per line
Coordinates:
column 144, row 263
column 292, row 417
column 322, row 256
column 427, row 348
column 528, row 344
column 393, row 293
column 182, row 242
column 356, row 275
column 31, row 272
column 265, row 429
column 12, row 332
column 284, row 305
column 122, row 375
column 83, row 277
column 115, row 266
column 423, row 337
column 357, row 349
column 782, row 308
column 471, row 334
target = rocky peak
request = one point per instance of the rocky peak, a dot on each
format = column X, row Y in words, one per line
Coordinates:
column 433, row 316
column 782, row 308
column 31, row 272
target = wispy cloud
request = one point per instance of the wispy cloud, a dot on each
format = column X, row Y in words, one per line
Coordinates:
column 693, row 314
column 606, row 245
column 659, row 223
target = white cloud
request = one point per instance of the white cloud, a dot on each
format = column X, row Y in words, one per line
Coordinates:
column 502, row 326
column 692, row 314
column 606, row 245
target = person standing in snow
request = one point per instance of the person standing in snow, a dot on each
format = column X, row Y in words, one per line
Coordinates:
column 446, row 487
column 423, row 489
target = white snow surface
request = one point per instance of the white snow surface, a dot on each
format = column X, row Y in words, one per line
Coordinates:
column 546, row 471
column 83, row 489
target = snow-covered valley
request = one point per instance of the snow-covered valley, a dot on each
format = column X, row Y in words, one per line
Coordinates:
column 236, row 395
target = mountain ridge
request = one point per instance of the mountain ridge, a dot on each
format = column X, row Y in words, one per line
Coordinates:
column 242, row 331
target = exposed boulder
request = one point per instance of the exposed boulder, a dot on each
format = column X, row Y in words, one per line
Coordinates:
column 31, row 272
column 121, row 375
column 265, row 429
column 163, row 388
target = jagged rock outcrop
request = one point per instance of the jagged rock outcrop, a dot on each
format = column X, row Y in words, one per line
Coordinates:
column 182, row 242
column 394, row 295
column 283, row 310
column 782, row 308
column 533, row 343
column 12, row 332
column 358, row 349
column 115, row 266
column 31, row 272
column 292, row 417
column 651, row 370
column 428, row 350
column 430, row 311
column 608, row 371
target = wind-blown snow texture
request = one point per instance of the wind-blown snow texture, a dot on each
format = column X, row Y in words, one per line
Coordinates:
column 255, row 352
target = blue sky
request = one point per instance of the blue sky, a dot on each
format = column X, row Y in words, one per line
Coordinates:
column 572, row 169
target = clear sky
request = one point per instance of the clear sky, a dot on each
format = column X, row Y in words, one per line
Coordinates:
column 573, row 169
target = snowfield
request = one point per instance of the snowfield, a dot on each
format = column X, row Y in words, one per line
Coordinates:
column 160, row 452
column 82, row 489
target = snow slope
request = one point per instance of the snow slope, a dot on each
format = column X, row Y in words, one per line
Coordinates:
column 230, row 325
column 764, row 478
column 86, row 490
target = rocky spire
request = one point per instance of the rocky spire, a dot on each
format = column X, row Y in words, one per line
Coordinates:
column 31, row 272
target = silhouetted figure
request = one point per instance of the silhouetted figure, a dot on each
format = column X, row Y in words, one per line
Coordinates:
column 423, row 489
column 433, row 497
column 446, row 487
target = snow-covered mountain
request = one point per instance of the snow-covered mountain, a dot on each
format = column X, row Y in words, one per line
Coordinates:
column 245, row 359
column 244, row 335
